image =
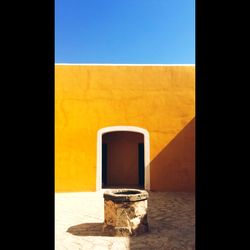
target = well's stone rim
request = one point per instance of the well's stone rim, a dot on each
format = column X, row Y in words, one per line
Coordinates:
column 123, row 196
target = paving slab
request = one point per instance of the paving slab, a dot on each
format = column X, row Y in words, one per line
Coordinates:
column 79, row 219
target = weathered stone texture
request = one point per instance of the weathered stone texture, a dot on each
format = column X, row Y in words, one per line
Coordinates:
column 126, row 218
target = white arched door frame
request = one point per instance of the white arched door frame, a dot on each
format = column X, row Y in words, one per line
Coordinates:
column 146, row 152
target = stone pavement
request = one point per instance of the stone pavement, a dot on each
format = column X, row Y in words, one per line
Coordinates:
column 79, row 218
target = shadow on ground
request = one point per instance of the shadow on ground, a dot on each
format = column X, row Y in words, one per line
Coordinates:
column 171, row 218
column 87, row 229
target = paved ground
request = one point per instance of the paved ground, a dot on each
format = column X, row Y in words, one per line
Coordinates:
column 79, row 218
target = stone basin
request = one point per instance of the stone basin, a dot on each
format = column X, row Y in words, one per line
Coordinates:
column 125, row 212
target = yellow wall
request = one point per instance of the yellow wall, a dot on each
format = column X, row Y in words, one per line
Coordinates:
column 160, row 99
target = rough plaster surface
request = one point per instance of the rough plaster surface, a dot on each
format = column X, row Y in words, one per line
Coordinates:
column 160, row 99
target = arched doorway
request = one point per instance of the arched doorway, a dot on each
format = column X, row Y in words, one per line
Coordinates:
column 123, row 158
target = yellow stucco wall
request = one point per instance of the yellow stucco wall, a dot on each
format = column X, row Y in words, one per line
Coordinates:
column 160, row 99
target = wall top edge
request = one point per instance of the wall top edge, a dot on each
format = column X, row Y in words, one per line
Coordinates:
column 107, row 64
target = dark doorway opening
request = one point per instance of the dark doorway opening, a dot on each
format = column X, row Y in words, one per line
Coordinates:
column 123, row 160
column 104, row 164
column 141, row 164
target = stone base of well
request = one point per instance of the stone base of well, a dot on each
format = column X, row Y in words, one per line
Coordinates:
column 125, row 212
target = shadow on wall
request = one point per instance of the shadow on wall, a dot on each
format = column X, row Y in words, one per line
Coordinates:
column 173, row 169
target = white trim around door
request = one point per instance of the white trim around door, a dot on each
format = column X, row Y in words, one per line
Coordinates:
column 102, row 131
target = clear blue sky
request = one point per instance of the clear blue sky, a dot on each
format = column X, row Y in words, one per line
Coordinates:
column 125, row 31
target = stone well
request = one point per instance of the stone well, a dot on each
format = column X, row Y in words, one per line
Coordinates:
column 125, row 212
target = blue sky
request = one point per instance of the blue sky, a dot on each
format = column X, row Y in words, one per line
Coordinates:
column 125, row 31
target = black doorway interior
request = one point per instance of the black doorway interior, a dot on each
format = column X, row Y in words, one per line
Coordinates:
column 141, row 164
column 104, row 164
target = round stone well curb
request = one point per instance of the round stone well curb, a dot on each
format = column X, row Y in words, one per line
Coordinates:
column 125, row 212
